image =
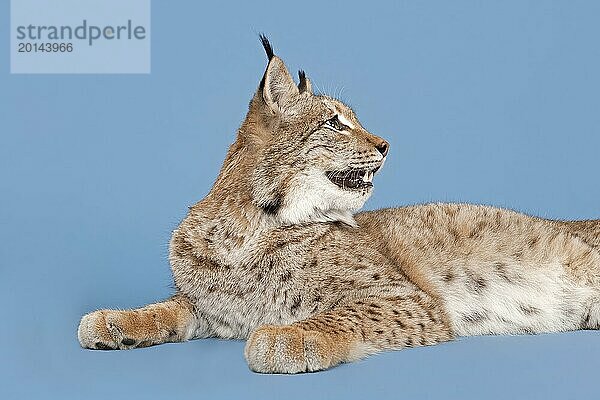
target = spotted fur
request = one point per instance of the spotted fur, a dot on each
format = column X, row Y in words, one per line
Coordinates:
column 276, row 254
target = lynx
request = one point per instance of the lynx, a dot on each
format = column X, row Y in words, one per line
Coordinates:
column 277, row 254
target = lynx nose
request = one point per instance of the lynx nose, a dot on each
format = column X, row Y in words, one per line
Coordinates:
column 383, row 147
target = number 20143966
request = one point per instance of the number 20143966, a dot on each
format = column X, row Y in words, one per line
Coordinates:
column 44, row 47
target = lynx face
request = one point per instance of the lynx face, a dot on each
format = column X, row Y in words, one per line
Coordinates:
column 315, row 160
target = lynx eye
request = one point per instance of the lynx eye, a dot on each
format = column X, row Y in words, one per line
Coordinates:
column 335, row 124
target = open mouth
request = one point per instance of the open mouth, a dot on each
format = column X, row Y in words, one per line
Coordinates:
column 353, row 179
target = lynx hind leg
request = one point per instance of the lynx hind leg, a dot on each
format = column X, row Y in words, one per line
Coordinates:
column 172, row 320
column 346, row 334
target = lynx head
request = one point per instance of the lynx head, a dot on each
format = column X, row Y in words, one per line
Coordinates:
column 313, row 161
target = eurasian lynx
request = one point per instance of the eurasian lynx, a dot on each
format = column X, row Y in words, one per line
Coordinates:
column 275, row 254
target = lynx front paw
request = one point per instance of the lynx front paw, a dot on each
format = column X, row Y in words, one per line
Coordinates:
column 288, row 350
column 109, row 330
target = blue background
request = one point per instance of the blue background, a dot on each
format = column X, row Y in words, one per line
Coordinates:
column 493, row 103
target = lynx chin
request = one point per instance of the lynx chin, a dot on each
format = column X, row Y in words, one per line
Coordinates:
column 277, row 254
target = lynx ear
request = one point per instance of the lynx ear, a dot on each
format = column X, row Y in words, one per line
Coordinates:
column 304, row 85
column 277, row 86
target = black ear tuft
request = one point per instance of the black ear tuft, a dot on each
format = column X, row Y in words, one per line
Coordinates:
column 302, row 85
column 267, row 46
column 302, row 77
